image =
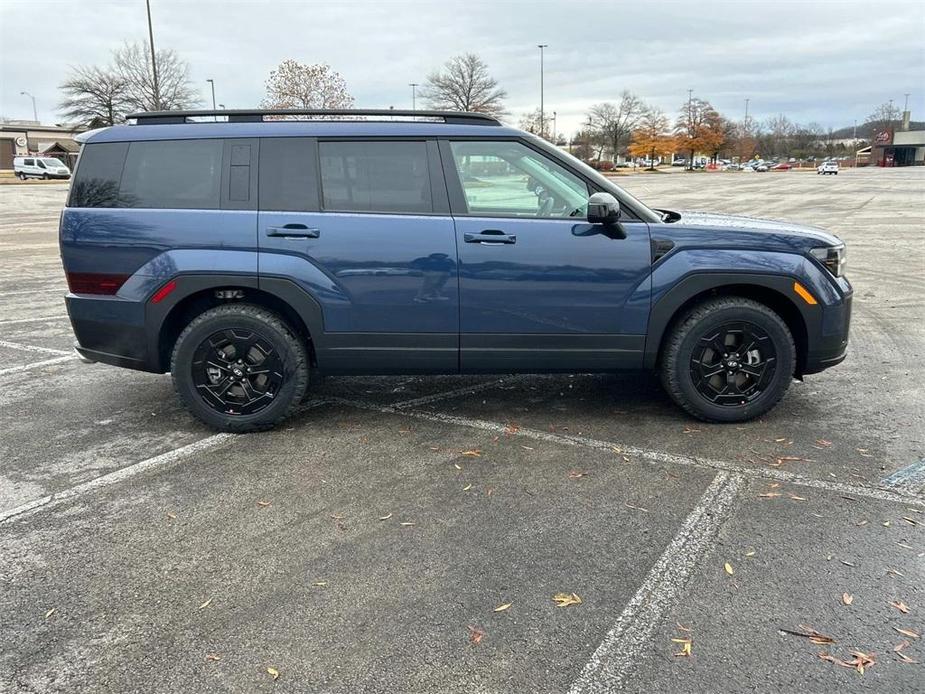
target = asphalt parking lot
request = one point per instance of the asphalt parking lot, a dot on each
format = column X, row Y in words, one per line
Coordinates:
column 409, row 534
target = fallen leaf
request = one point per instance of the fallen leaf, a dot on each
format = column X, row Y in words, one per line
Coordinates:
column 728, row 567
column 205, row 604
column 502, row 608
column 214, row 657
column 910, row 521
column 576, row 474
column 906, row 659
column 685, row 651
column 337, row 516
column 263, row 504
column 823, row 443
column 896, row 573
column 811, row 634
column 846, row 563
column 475, row 635
column 51, row 612
column 467, row 487
column 797, row 498
column 750, row 554
column 638, row 508
column 897, row 648
column 320, row 584
column 906, row 632
column 682, row 627
column 847, row 598
column 171, row 516
column 861, row 661
column 472, row 454
column 407, row 523
column 511, row 429
column 385, row 517
column 527, row 448
column 769, row 495
column 566, row 599
column 457, row 466
column 273, row 672
column 901, row 606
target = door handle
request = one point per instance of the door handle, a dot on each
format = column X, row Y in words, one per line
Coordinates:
column 294, row 231
column 489, row 237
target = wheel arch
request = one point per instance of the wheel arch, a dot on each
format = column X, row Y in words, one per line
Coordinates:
column 198, row 293
column 770, row 290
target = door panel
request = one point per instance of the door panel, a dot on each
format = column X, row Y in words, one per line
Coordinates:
column 539, row 288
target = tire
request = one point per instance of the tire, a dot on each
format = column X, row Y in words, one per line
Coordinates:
column 281, row 363
column 688, row 357
column 22, row 176
column 44, row 177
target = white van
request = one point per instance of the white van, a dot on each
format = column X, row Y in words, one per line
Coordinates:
column 40, row 167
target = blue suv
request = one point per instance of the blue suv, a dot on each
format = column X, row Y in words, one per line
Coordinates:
column 241, row 249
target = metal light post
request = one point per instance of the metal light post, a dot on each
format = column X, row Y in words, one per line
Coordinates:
column 212, row 82
column 157, row 89
column 554, row 127
column 746, row 116
column 414, row 86
column 35, row 113
column 906, row 104
column 541, row 46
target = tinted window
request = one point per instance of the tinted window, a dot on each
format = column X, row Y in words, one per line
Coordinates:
column 375, row 176
column 99, row 169
column 288, row 174
column 175, row 174
column 29, row 162
column 509, row 178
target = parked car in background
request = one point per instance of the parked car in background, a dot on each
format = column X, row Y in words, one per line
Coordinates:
column 828, row 167
column 782, row 166
column 40, row 167
column 760, row 166
column 239, row 255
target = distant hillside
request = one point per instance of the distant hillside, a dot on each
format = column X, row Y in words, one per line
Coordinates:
column 865, row 131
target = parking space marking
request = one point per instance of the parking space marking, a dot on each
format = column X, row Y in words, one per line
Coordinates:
column 35, row 365
column 623, row 645
column 62, row 291
column 427, row 399
column 910, row 478
column 109, row 479
column 39, row 319
column 118, row 475
column 868, row 491
column 32, row 348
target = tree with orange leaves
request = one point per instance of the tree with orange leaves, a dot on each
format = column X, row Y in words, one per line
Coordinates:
column 652, row 139
column 698, row 128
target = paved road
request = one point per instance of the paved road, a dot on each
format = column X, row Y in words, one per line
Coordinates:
column 365, row 546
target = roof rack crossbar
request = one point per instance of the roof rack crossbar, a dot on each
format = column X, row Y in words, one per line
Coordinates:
column 257, row 115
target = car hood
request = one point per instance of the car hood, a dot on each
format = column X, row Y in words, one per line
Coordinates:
column 741, row 223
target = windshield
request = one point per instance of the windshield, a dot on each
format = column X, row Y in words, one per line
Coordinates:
column 53, row 162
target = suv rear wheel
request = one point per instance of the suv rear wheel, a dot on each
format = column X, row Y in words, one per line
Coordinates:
column 728, row 359
column 239, row 368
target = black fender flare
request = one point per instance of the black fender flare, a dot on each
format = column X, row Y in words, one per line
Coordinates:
column 667, row 307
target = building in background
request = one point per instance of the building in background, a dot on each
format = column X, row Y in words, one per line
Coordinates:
column 22, row 137
column 903, row 147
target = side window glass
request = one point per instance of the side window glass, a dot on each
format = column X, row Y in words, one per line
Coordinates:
column 510, row 179
column 41, row 164
column 99, row 171
column 288, row 174
column 173, row 174
column 29, row 162
column 375, row 176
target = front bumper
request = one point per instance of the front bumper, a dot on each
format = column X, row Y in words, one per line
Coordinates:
column 829, row 345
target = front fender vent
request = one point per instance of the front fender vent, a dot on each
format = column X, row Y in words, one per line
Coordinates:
column 660, row 248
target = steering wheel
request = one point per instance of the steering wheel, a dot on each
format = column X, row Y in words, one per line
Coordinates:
column 546, row 205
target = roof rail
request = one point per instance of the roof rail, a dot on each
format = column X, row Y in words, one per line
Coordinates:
column 257, row 115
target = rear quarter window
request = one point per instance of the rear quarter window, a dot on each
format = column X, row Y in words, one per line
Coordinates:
column 99, row 171
column 175, row 174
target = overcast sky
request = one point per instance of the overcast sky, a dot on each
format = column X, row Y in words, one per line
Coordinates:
column 825, row 61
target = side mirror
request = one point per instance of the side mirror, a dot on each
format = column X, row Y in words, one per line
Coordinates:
column 603, row 208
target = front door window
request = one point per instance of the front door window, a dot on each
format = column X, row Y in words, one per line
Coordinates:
column 509, row 179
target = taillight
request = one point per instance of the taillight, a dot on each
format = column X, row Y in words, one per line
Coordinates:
column 94, row 283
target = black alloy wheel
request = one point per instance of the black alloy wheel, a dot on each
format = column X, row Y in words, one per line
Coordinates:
column 733, row 364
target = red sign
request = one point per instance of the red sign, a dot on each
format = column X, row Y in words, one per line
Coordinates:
column 884, row 138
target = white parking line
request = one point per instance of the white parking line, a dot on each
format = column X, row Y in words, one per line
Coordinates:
column 62, row 291
column 623, row 645
column 654, row 456
column 453, row 393
column 125, row 473
column 35, row 365
column 32, row 348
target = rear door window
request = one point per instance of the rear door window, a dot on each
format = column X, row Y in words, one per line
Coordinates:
column 375, row 176
column 174, row 174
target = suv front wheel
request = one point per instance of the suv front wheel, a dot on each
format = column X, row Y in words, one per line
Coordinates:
column 239, row 368
column 728, row 359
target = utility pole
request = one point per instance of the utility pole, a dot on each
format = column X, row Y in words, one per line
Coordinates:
column 157, row 90
column 554, row 127
column 212, row 82
column 906, row 105
column 35, row 113
column 745, row 123
column 541, row 46
column 414, row 86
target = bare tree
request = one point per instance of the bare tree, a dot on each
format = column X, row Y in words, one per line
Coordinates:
column 300, row 85
column 615, row 122
column 884, row 117
column 531, row 122
column 94, row 96
column 697, row 128
column 132, row 63
column 464, row 84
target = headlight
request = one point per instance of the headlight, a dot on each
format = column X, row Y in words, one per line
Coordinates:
column 833, row 257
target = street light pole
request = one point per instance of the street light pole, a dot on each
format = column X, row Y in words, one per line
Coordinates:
column 157, row 90
column 35, row 113
column 414, row 86
column 212, row 82
column 746, row 116
column 554, row 127
column 541, row 46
